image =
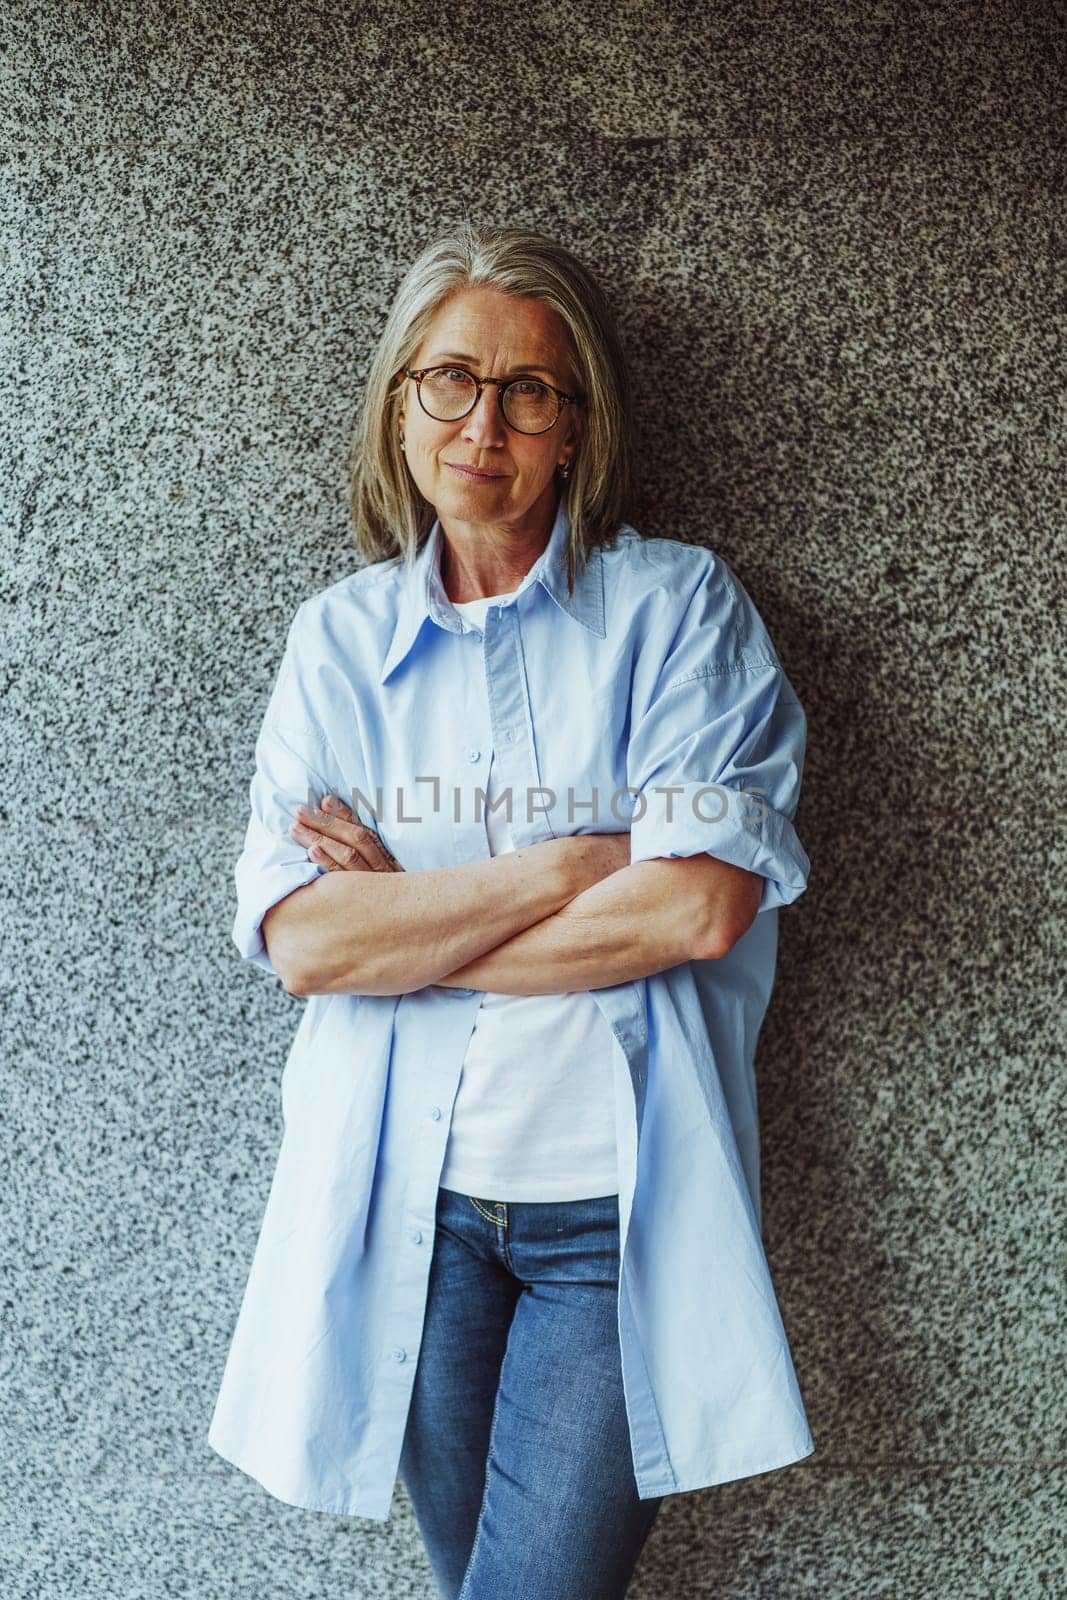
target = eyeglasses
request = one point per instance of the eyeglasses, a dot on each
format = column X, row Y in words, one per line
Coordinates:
column 449, row 393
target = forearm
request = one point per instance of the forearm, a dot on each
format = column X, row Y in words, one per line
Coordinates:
column 642, row 919
column 393, row 932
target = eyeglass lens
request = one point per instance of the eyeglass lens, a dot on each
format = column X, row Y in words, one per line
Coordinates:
column 449, row 393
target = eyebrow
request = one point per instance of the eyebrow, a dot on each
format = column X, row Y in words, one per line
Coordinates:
column 471, row 361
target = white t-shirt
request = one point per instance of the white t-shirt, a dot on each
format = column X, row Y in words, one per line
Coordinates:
column 534, row 1116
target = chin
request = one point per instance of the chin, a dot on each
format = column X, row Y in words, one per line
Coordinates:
column 467, row 499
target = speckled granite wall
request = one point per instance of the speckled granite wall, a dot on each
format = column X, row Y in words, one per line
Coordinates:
column 833, row 237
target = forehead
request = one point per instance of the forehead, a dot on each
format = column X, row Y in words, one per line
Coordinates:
column 492, row 325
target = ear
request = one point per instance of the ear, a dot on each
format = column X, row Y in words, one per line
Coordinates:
column 577, row 423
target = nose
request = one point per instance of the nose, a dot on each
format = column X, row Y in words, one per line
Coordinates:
column 485, row 425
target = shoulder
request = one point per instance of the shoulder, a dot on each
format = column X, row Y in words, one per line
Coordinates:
column 644, row 562
column 350, row 611
column 681, row 590
column 367, row 588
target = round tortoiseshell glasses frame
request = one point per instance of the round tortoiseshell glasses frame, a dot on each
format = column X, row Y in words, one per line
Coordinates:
column 503, row 384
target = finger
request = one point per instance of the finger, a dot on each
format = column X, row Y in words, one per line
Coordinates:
column 360, row 851
column 335, row 822
column 334, row 854
column 334, row 806
column 330, row 806
column 337, row 857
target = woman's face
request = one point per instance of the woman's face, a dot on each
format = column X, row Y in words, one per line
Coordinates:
column 492, row 335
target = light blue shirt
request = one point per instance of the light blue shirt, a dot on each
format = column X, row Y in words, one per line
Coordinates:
column 654, row 690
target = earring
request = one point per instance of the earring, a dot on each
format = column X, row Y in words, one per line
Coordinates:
column 565, row 470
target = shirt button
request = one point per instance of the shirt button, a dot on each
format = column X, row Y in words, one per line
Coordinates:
column 435, row 1112
column 415, row 1236
column 400, row 1355
column 474, row 755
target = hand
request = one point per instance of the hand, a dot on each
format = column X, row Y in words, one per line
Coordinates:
column 336, row 841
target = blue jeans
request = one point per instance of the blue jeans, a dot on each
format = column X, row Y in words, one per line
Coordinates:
column 516, row 1456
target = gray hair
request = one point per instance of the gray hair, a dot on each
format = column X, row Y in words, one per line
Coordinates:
column 389, row 515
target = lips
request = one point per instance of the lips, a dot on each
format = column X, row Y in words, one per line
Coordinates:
column 474, row 474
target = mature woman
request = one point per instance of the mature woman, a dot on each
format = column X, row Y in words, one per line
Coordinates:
column 521, row 826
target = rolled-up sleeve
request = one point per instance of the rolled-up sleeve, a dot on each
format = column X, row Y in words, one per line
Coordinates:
column 293, row 759
column 717, row 752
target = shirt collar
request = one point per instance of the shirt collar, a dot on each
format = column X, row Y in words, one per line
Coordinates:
column 422, row 593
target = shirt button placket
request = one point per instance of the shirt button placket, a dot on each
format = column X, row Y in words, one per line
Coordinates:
column 510, row 735
column 399, row 1353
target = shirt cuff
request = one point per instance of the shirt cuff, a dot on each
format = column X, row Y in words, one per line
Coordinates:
column 738, row 826
column 255, row 900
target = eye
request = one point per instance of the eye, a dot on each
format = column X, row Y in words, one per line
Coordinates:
column 528, row 388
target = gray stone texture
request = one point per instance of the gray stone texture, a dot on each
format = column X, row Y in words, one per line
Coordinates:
column 833, row 236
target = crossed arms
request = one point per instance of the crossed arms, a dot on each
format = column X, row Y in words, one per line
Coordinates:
column 561, row 915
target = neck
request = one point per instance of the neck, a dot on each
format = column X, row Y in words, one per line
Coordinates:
column 480, row 559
